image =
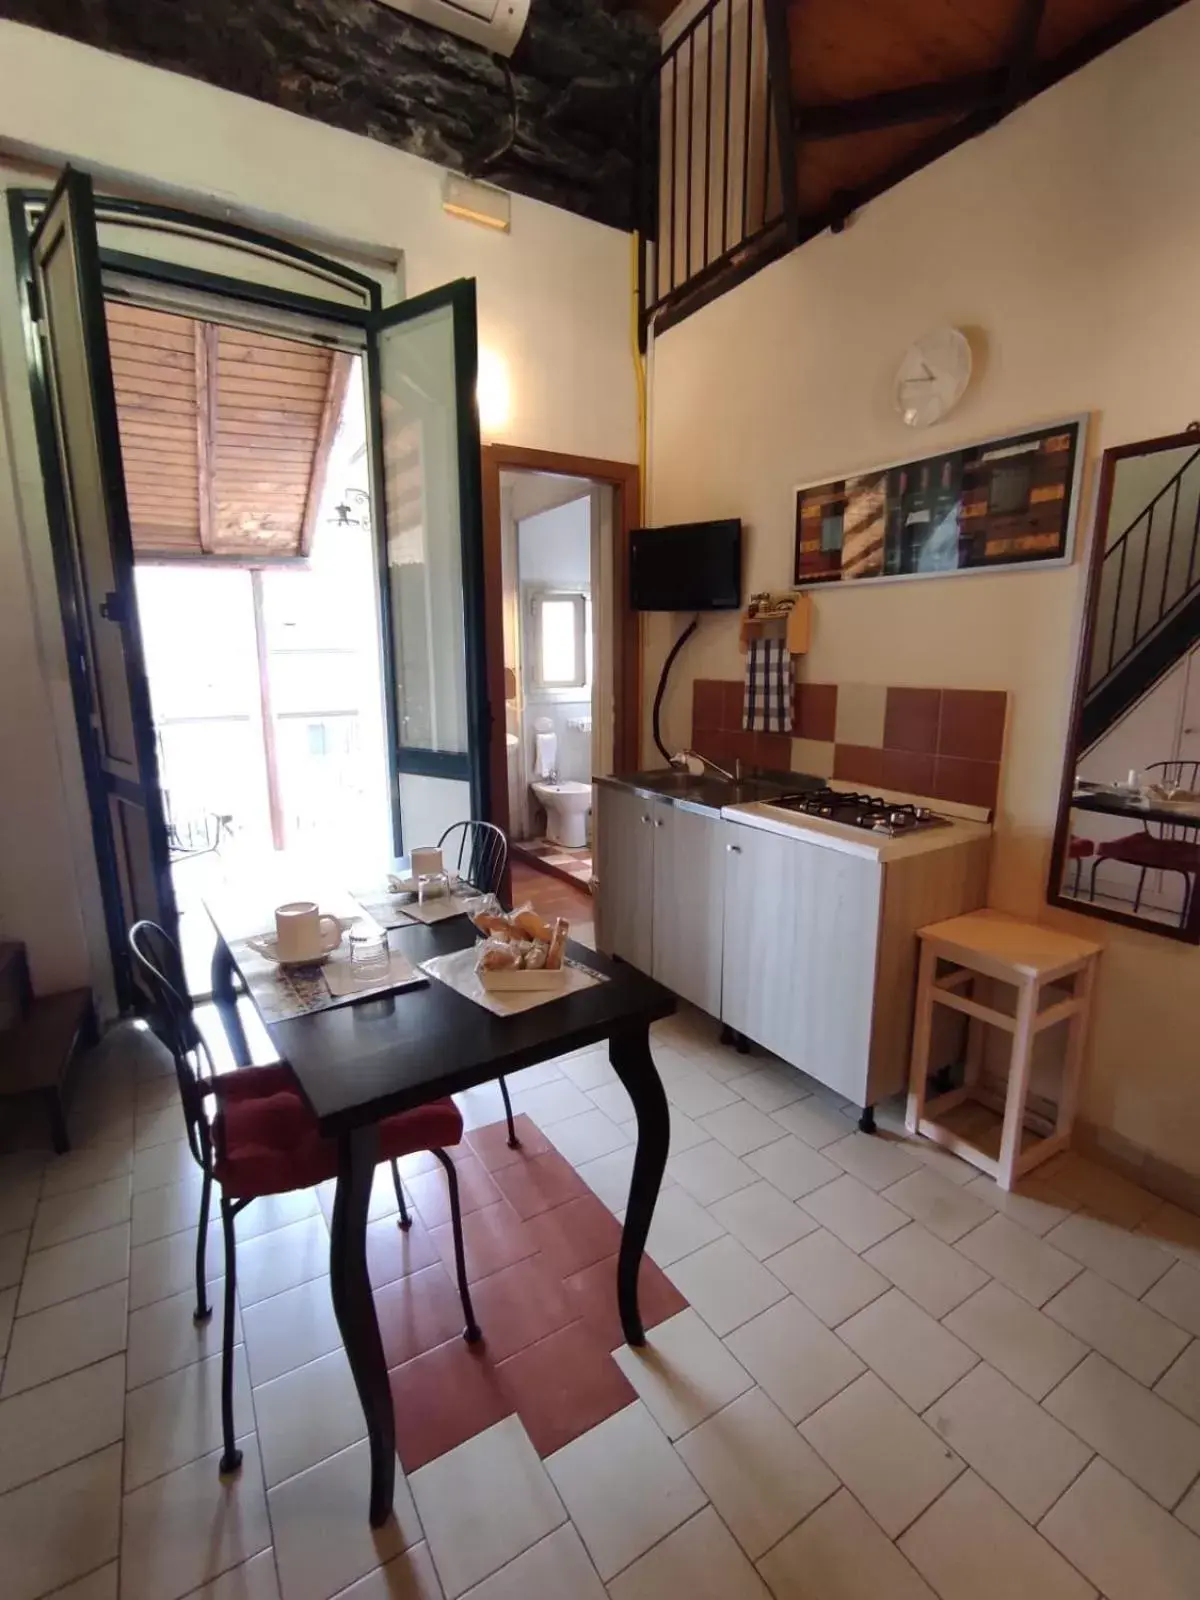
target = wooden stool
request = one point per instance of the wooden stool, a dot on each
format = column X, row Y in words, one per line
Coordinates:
column 990, row 944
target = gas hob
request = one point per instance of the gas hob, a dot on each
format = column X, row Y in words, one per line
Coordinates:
column 869, row 812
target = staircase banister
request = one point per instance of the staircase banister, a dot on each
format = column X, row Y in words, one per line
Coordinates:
column 1175, row 478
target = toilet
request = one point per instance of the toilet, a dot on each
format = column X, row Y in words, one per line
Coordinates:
column 566, row 803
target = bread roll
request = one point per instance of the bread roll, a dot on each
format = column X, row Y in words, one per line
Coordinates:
column 558, row 944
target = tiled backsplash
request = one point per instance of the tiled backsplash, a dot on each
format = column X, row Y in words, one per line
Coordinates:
column 944, row 743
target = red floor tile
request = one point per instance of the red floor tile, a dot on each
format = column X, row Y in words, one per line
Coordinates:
column 494, row 1238
column 573, row 1235
column 490, row 1143
column 430, row 1192
column 563, row 1386
column 418, row 1313
column 592, row 1295
column 539, row 1183
column 393, row 1252
column 443, row 1398
column 520, row 1305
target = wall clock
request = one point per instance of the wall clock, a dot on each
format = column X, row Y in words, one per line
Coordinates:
column 931, row 377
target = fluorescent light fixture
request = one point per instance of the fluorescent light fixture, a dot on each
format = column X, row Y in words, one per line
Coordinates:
column 476, row 202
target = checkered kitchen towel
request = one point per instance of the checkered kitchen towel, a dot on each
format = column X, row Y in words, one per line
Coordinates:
column 767, row 705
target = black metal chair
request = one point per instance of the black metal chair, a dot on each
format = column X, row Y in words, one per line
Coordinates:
column 478, row 852
column 1160, row 846
column 262, row 1139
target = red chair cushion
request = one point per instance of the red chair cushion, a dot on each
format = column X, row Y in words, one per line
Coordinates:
column 269, row 1142
column 1144, row 850
column 1080, row 849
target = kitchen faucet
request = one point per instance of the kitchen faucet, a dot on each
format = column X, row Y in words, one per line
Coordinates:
column 684, row 758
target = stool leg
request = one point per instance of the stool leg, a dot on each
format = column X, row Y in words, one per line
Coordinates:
column 1073, row 1060
column 1019, row 1071
column 922, row 1025
column 405, row 1220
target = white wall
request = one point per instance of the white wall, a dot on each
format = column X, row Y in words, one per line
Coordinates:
column 554, row 317
column 1068, row 241
column 554, row 548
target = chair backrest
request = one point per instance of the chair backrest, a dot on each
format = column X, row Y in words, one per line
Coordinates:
column 1174, row 775
column 160, row 967
column 477, row 851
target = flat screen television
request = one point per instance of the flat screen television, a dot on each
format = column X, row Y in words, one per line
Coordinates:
column 693, row 566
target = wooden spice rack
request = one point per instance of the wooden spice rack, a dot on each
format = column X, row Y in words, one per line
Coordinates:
column 789, row 617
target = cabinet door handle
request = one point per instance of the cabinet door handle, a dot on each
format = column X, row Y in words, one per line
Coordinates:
column 658, row 822
column 645, row 818
column 734, row 849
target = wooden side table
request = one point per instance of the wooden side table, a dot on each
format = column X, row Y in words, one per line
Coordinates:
column 992, row 945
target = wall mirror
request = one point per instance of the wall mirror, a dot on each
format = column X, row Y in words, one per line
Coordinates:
column 1127, row 844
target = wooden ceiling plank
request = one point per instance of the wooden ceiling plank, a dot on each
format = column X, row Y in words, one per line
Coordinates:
column 163, row 357
column 335, row 396
column 894, row 107
column 206, row 428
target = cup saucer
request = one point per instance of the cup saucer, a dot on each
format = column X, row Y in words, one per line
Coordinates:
column 268, row 946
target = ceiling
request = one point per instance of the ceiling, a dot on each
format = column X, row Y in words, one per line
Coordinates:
column 225, row 435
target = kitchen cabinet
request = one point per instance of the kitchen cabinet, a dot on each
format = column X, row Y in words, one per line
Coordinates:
column 624, row 849
column 801, row 933
column 689, row 900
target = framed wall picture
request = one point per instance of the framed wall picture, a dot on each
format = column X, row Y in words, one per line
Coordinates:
column 997, row 503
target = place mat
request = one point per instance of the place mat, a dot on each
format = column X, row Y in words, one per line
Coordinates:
column 388, row 910
column 449, row 905
column 457, row 971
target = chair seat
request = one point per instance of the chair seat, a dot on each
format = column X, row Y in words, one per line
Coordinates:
column 1144, row 850
column 269, row 1142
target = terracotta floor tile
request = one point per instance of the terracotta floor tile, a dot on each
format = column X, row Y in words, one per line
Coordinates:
column 563, row 1386
column 520, row 1305
column 430, row 1193
column 592, row 1294
column 540, row 1183
column 443, row 1398
column 494, row 1237
column 393, row 1252
column 417, row 1313
column 490, row 1143
column 574, row 1235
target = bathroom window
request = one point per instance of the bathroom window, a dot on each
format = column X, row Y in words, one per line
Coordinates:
column 559, row 653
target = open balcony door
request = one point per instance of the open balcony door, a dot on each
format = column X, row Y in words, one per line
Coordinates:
column 94, row 552
column 423, row 363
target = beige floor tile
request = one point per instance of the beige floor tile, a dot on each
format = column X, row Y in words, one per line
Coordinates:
column 1019, row 1341
column 323, row 1540
column 81, row 1505
column 588, row 1069
column 609, row 1177
column 289, row 1330
column 839, row 1554
column 943, row 1207
column 162, row 1164
column 877, row 1160
column 928, row 1271
column 884, row 1454
column 709, row 1172
column 99, row 1585
column 1132, row 1261
column 794, row 1167
column 1130, row 1548
column 913, row 1354
column 1034, row 1202
column 188, row 1527
column 624, row 1487
column 306, row 1415
column 1188, row 1509
column 43, row 1429
column 164, row 1125
column 741, row 1128
column 20, row 1192
column 812, row 1121
column 13, row 1249
column 700, row 1559
column 683, row 1373
column 81, row 1169
column 169, row 1209
column 772, row 1087
column 761, row 1476
column 1177, row 1231
column 763, row 1219
column 831, row 1280
column 1100, row 1190
column 483, row 1504
column 65, row 1337
column 1140, row 1341
column 167, row 1267
column 252, row 1580
column 795, row 1358
column 679, row 1226
column 8, row 1310
column 971, row 1545
column 177, row 1418
column 1012, row 1443
column 857, row 1215
column 550, row 1102
column 556, row 1568
column 1180, row 1383
column 164, row 1336
column 65, row 1271
column 1023, row 1263
column 409, row 1576
column 947, row 1166
column 590, row 1135
column 725, row 1283
column 1134, row 1430
column 696, row 1094
column 281, row 1259
column 684, row 1132
column 1177, row 1296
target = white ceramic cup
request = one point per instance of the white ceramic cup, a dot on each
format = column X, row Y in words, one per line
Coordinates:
column 426, row 863
column 302, row 933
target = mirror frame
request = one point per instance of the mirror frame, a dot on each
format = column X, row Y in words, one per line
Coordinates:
column 1189, row 934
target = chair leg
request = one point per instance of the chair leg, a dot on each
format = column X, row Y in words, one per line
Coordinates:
column 471, row 1332
column 231, row 1459
column 513, row 1142
column 203, row 1311
column 1137, row 899
column 405, row 1219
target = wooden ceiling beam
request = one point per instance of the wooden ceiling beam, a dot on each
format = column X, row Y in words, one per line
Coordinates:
column 892, row 108
column 335, row 394
column 206, row 431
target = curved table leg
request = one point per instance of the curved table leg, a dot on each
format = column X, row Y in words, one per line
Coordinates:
column 354, row 1307
column 225, row 1000
column 632, row 1062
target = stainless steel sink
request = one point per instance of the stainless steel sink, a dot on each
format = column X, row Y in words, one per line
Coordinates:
column 709, row 791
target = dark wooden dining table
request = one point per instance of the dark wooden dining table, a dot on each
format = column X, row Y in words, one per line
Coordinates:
column 357, row 1063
